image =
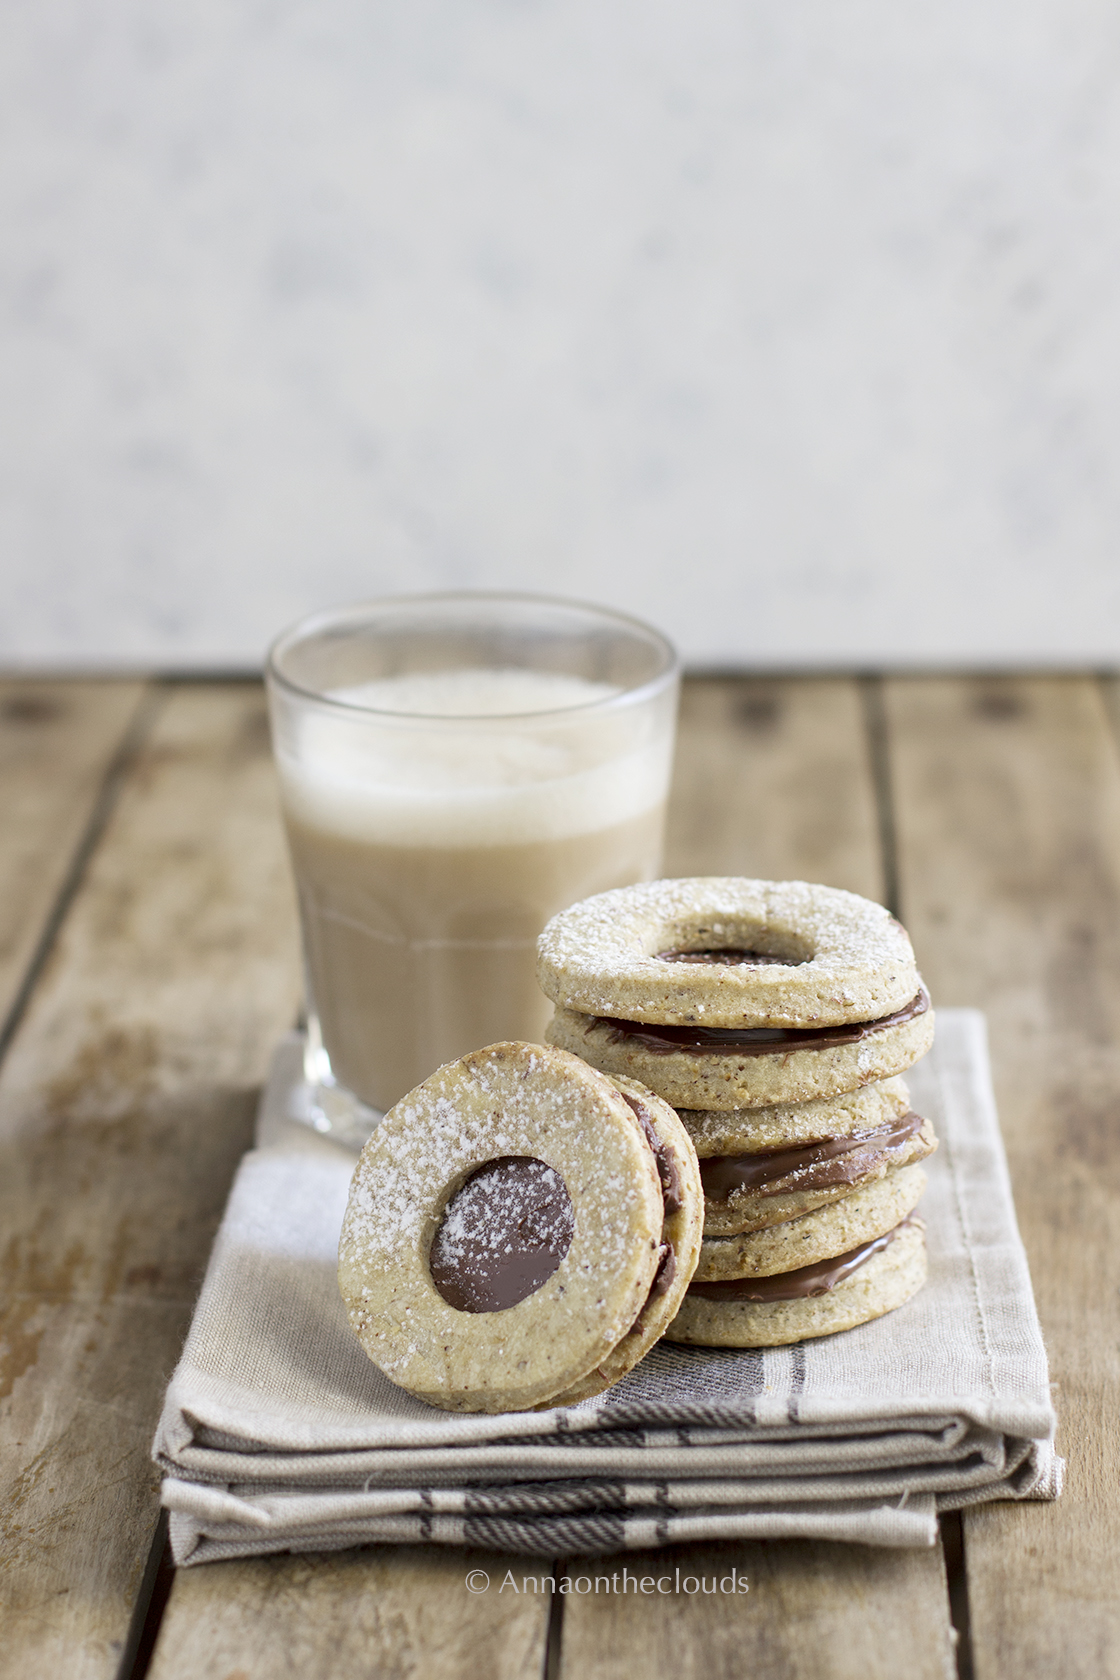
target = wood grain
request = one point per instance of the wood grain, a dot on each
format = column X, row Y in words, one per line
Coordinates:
column 126, row 1099
column 347, row 1615
column 849, row 1612
column 386, row 1611
column 1008, row 822
column 1110, row 694
column 57, row 743
column 124, row 1103
column 773, row 779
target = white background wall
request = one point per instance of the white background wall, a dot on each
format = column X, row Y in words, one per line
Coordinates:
column 791, row 325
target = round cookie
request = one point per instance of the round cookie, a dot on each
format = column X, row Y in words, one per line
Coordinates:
column 708, row 1072
column 726, row 1131
column 894, row 1272
column 505, row 1230
column 751, row 1191
column 724, row 952
column 834, row 1229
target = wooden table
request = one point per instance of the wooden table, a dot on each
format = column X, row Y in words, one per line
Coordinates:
column 148, row 962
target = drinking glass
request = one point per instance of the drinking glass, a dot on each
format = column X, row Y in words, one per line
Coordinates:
column 454, row 769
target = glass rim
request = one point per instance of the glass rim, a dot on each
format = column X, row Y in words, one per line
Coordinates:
column 337, row 617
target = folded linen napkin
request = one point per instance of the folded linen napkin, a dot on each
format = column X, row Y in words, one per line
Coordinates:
column 278, row 1434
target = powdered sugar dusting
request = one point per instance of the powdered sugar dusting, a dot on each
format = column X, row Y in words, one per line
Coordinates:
column 502, row 1235
column 507, row 1101
column 848, row 958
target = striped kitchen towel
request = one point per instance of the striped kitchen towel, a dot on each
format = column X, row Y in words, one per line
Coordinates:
column 277, row 1434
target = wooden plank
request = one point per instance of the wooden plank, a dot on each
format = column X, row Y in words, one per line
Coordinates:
column 401, row 1610
column 387, row 1611
column 126, row 1099
column 773, row 779
column 58, row 741
column 1110, row 693
column 1008, row 821
column 409, row 1610
column 849, row 1612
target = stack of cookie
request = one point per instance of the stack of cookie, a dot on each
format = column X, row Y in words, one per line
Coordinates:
column 775, row 1017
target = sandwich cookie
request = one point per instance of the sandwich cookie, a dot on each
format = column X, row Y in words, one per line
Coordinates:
column 724, row 993
column 681, row 1239
column 819, row 1299
column 520, row 1230
column 802, row 1156
column 836, row 1228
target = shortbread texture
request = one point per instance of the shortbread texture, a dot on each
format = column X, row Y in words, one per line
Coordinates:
column 793, row 1125
column 682, row 1229
column 833, row 1229
column 505, row 1100
column 845, row 959
column 735, row 1081
column 756, row 1209
column 881, row 1284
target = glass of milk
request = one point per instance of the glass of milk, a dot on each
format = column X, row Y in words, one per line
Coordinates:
column 454, row 769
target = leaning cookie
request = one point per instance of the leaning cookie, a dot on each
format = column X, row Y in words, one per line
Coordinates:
column 506, row 1231
column 835, row 1229
column 818, row 1300
column 718, row 1068
column 681, row 1236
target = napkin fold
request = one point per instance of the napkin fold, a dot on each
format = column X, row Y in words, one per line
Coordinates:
column 278, row 1434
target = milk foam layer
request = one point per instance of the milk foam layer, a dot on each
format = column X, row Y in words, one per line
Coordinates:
column 479, row 692
column 461, row 760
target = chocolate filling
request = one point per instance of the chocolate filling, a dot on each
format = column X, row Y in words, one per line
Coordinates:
column 666, row 1271
column 730, row 956
column 662, row 1280
column 503, row 1234
column 817, row 1279
column 667, row 1170
column 669, row 1175
column 663, row 1040
column 837, row 1160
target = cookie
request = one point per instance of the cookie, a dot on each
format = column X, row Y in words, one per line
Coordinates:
column 681, row 1235
column 724, row 993
column 518, row 1231
column 730, row 1131
column 832, row 1229
column 752, row 1189
column 815, row 1300
column 725, row 952
column 695, row 1067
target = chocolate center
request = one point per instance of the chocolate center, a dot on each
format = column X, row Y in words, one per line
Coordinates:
column 503, row 1234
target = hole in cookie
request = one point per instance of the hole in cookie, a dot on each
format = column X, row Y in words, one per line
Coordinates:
column 729, row 956
column 502, row 1235
column 732, row 943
